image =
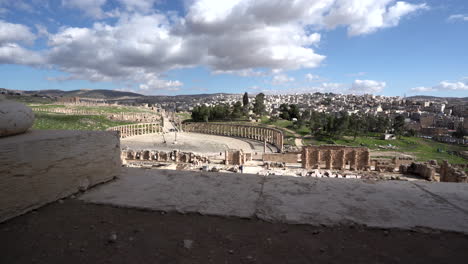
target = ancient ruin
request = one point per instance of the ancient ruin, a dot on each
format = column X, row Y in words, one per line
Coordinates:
column 162, row 156
column 268, row 135
column 335, row 157
column 449, row 173
column 137, row 129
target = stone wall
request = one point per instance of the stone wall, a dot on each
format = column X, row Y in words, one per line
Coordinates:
column 449, row 173
column 137, row 129
column 335, row 157
column 264, row 134
column 236, row 157
column 424, row 170
column 124, row 116
column 289, row 157
column 42, row 166
column 162, row 156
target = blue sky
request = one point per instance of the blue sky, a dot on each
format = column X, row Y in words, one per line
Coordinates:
column 205, row 46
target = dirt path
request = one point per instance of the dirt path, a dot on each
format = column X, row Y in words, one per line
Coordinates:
column 75, row 232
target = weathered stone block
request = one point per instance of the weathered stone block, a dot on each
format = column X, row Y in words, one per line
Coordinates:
column 43, row 166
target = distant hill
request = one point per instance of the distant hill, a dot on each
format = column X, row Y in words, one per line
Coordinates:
column 450, row 100
column 97, row 94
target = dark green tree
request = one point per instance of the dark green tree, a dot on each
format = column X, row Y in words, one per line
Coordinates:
column 259, row 105
column 237, row 110
column 399, row 125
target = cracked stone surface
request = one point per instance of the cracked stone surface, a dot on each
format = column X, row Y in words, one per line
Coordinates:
column 39, row 167
column 202, row 192
column 386, row 204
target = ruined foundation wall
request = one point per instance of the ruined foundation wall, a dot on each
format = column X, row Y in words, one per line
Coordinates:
column 449, row 173
column 335, row 157
column 264, row 134
column 290, row 157
column 137, row 129
column 43, row 166
column 162, row 156
column 423, row 170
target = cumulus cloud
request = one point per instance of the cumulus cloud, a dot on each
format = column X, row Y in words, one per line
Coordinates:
column 458, row 17
column 235, row 37
column 364, row 17
column 13, row 33
column 12, row 53
column 367, row 87
column 446, row 86
column 281, row 79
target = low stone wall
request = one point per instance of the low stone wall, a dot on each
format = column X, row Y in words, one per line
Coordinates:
column 133, row 117
column 162, row 156
column 264, row 134
column 290, row 157
column 42, row 166
column 423, row 170
column 137, row 129
column 449, row 173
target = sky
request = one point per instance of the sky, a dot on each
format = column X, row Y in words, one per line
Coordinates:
column 170, row 47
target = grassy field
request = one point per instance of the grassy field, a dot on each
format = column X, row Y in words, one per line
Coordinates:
column 113, row 109
column 184, row 116
column 422, row 149
column 73, row 122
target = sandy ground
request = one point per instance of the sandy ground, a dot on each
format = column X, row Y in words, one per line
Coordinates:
column 193, row 142
column 75, row 232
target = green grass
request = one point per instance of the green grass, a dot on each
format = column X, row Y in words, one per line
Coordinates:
column 73, row 122
column 113, row 109
column 422, row 149
column 184, row 116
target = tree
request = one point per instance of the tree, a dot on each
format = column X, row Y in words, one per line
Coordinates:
column 284, row 112
column 398, row 125
column 460, row 133
column 259, row 105
column 245, row 103
column 294, row 111
column 237, row 110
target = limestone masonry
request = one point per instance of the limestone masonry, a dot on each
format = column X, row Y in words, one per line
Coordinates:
column 137, row 129
column 335, row 157
column 268, row 135
column 42, row 166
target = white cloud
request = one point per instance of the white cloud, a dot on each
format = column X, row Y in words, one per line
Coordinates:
column 281, row 79
column 92, row 8
column 364, row 17
column 367, row 87
column 445, row 86
column 13, row 33
column 243, row 37
column 458, row 17
column 311, row 77
column 12, row 53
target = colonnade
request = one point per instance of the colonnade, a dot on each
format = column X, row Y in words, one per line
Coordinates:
column 137, row 129
column 264, row 134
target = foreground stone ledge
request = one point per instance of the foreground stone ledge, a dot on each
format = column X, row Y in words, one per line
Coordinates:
column 42, row 166
column 294, row 200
